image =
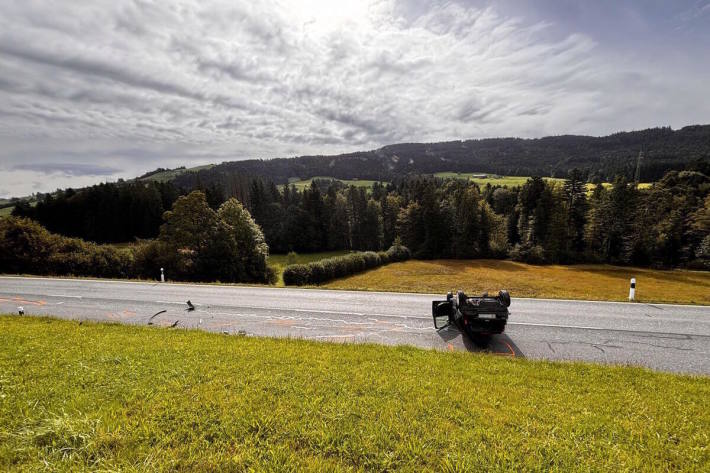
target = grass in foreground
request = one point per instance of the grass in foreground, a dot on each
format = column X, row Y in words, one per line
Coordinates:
column 587, row 282
column 280, row 261
column 105, row 397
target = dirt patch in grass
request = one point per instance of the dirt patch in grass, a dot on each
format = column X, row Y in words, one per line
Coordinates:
column 587, row 282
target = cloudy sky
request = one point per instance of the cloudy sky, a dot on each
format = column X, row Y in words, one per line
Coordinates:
column 94, row 91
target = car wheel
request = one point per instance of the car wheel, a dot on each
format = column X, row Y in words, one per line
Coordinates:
column 504, row 298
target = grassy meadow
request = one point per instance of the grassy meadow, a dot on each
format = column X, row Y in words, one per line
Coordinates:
column 585, row 281
column 170, row 174
column 301, row 184
column 6, row 211
column 101, row 397
column 513, row 181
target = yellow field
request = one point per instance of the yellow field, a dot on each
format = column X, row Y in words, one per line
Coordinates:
column 591, row 282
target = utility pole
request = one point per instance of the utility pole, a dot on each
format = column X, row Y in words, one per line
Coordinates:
column 637, row 175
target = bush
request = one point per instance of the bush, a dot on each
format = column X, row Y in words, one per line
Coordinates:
column 27, row 247
column 297, row 275
column 531, row 254
column 398, row 253
column 341, row 266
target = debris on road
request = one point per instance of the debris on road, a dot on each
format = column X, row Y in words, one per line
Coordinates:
column 150, row 320
column 190, row 307
column 175, row 324
column 21, row 310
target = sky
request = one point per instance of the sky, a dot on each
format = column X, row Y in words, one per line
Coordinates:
column 102, row 90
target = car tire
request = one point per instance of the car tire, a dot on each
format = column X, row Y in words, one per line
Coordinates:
column 504, row 298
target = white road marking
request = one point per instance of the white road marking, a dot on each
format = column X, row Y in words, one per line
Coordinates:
column 65, row 295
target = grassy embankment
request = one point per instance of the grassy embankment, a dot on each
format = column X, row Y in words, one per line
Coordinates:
column 110, row 397
column 592, row 282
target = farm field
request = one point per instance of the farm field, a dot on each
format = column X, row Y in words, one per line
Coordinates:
column 280, row 261
column 6, row 211
column 304, row 183
column 114, row 397
column 513, row 181
column 168, row 175
column 583, row 282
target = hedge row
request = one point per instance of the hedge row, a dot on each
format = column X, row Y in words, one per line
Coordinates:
column 341, row 266
column 28, row 248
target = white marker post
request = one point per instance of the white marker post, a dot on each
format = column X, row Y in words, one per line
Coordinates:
column 632, row 289
column 162, row 275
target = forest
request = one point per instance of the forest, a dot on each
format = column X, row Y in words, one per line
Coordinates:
column 600, row 159
column 667, row 225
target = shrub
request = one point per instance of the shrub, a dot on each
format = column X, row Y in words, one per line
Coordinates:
column 531, row 254
column 398, row 253
column 27, row 247
column 297, row 275
column 341, row 266
column 291, row 258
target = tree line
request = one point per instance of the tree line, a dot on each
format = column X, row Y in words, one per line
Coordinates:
column 541, row 221
column 194, row 243
column 600, row 159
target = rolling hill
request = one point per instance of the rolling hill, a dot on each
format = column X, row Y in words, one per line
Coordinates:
column 600, row 157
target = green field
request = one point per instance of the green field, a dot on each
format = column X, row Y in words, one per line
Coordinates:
column 304, row 183
column 6, row 211
column 280, row 261
column 601, row 282
column 512, row 181
column 100, row 397
column 171, row 174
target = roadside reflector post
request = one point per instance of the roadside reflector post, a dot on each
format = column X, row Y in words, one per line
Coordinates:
column 632, row 289
column 162, row 275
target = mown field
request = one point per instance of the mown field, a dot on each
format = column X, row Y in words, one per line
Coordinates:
column 170, row 174
column 304, row 183
column 98, row 397
column 280, row 261
column 512, row 181
column 591, row 282
column 6, row 211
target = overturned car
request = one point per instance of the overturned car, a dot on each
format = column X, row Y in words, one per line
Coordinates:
column 475, row 315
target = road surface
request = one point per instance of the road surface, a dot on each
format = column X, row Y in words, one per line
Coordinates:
column 659, row 336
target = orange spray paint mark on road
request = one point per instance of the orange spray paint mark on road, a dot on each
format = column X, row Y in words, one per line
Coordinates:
column 23, row 301
column 512, row 352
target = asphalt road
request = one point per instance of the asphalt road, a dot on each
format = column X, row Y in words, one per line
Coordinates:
column 659, row 336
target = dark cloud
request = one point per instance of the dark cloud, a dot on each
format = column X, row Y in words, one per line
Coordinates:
column 119, row 88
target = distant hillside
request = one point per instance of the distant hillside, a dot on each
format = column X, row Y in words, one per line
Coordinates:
column 600, row 157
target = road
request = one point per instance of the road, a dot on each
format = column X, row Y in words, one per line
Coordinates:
column 659, row 336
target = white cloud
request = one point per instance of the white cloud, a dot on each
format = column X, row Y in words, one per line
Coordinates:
column 136, row 85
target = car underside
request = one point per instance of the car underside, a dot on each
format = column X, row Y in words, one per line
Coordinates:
column 475, row 315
